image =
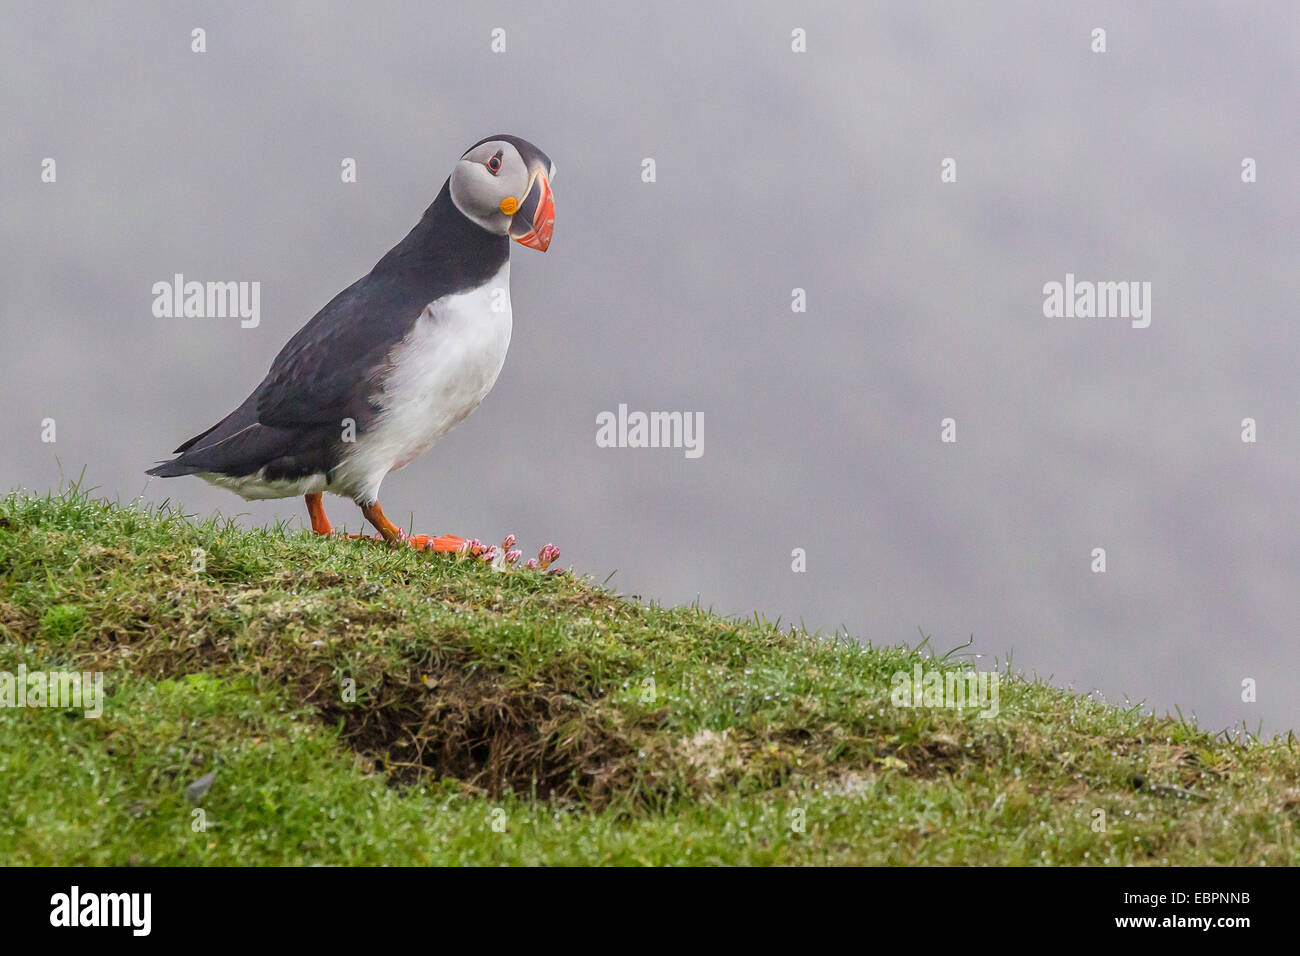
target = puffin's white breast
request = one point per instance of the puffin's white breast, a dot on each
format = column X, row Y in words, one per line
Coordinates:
column 437, row 375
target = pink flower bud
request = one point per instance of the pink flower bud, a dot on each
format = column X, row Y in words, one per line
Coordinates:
column 532, row 563
column 508, row 543
column 513, row 556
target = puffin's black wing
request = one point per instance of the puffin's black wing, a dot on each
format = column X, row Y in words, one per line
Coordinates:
column 328, row 369
column 292, row 424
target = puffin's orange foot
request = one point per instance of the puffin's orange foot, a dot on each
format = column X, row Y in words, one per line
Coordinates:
column 439, row 544
column 446, row 544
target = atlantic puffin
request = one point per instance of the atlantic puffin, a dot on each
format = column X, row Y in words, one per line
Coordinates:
column 395, row 360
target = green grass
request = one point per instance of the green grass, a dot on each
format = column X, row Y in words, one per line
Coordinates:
column 521, row 717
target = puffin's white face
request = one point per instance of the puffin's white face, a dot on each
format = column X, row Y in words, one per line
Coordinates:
column 494, row 186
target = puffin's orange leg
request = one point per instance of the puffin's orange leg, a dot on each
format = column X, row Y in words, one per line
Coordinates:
column 319, row 523
column 444, row 544
column 375, row 515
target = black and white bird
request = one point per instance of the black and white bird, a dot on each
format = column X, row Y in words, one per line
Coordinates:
column 396, row 359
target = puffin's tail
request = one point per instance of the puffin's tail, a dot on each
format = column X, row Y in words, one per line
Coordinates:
column 172, row 469
column 177, row 466
column 237, row 448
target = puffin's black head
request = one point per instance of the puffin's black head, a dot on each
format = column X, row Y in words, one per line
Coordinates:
column 503, row 183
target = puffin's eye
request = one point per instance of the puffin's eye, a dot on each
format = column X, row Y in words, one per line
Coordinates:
column 494, row 164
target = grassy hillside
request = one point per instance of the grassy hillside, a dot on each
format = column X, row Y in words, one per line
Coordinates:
column 527, row 717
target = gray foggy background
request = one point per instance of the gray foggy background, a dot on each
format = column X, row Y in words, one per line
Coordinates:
column 775, row 170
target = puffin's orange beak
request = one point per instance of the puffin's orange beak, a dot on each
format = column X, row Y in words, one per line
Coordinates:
column 535, row 217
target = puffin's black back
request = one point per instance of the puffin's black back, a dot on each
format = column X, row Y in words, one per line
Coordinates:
column 292, row 423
